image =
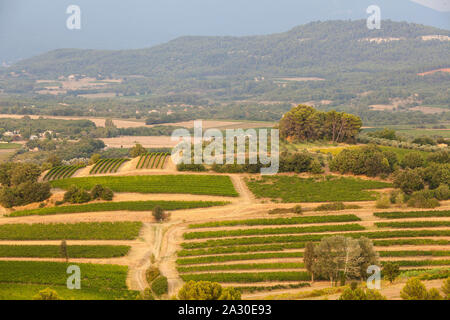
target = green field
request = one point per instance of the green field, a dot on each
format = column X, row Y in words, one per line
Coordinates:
column 10, row 146
column 188, row 184
column 412, row 214
column 294, row 189
column 75, row 231
column 52, row 251
column 24, row 279
column 118, row 206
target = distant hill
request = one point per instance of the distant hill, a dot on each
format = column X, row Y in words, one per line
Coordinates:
column 317, row 49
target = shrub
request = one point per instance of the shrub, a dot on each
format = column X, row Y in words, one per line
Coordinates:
column 335, row 206
column 360, row 294
column 442, row 192
column 383, row 202
column 146, row 295
column 137, row 151
column 24, row 193
column 160, row 286
column 423, row 199
column 151, row 274
column 446, row 288
column 297, row 209
column 47, row 294
column 76, row 195
column 391, row 271
column 159, row 214
column 316, row 167
column 206, row 290
column 415, row 290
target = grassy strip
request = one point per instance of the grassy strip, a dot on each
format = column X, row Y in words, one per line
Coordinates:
column 414, row 253
column 118, row 206
column 19, row 251
column 278, row 221
column 247, row 232
column 237, row 249
column 417, row 263
column 250, row 266
column 412, row 214
column 74, row 231
column 314, row 237
column 188, row 184
column 237, row 257
column 414, row 224
column 249, row 277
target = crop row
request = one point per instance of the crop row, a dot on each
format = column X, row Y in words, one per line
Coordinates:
column 52, row 251
column 61, row 172
column 74, row 231
column 239, row 249
column 189, row 184
column 152, row 161
column 118, row 206
column 412, row 214
column 249, row 266
column 314, row 237
column 414, row 253
column 237, row 257
column 248, row 232
column 414, row 224
column 107, row 166
column 419, row 263
column 279, row 221
column 248, row 277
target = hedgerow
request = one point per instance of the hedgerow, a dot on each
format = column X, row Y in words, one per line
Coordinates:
column 255, row 266
column 118, row 206
column 248, row 277
column 53, row 251
column 412, row 214
column 237, row 257
column 246, row 232
column 74, row 231
column 278, row 221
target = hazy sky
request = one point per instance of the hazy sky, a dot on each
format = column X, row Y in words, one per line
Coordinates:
column 29, row 27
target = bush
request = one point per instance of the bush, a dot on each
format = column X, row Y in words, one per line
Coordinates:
column 442, row 192
column 446, row 288
column 391, row 271
column 206, row 290
column 160, row 286
column 23, row 194
column 159, row 214
column 297, row 209
column 423, row 199
column 383, row 202
column 416, row 290
column 47, row 294
column 335, row 206
column 316, row 167
column 76, row 195
column 360, row 294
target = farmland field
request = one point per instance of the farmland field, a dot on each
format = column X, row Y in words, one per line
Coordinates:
column 49, row 251
column 295, row 189
column 188, row 184
column 23, row 279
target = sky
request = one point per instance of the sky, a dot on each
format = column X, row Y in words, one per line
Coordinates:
column 30, row 27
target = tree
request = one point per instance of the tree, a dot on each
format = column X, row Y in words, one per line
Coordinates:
column 433, row 294
column 412, row 160
column 63, row 250
column 206, row 290
column 338, row 257
column 137, row 151
column 94, row 158
column 310, row 258
column 54, row 160
column 368, row 256
column 409, row 180
column 47, row 294
column 414, row 290
column 159, row 214
column 391, row 271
